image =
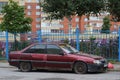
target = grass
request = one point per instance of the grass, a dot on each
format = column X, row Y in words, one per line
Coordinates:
column 3, row 61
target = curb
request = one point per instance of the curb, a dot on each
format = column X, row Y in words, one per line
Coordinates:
column 113, row 69
column 7, row 67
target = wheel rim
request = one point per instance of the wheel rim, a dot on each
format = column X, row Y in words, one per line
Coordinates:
column 80, row 68
column 25, row 67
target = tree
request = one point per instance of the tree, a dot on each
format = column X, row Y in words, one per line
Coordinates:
column 106, row 25
column 113, row 7
column 57, row 9
column 14, row 20
column 89, row 7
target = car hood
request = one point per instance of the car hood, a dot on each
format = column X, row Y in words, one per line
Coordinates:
column 89, row 56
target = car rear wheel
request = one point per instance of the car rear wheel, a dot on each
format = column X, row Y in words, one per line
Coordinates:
column 80, row 68
column 25, row 66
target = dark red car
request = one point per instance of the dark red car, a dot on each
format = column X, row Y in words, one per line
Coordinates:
column 57, row 57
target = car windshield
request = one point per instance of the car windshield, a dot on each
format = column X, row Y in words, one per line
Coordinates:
column 69, row 49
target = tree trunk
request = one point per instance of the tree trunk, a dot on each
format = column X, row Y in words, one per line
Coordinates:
column 15, row 41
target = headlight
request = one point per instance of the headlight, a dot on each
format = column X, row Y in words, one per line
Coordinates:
column 97, row 61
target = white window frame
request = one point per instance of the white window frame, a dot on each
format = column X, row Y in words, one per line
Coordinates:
column 37, row 7
column 38, row 13
column 37, row 1
column 38, row 19
column 29, row 0
column 37, row 25
column 29, row 7
column 29, row 13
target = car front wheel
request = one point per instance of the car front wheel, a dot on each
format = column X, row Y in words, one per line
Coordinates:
column 80, row 68
column 25, row 67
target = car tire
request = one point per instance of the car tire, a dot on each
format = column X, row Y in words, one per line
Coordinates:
column 80, row 68
column 25, row 66
column 104, row 70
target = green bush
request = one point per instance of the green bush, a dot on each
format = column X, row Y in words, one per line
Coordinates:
column 19, row 45
column 107, row 50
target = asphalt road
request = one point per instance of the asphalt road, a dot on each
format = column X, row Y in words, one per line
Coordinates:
column 14, row 74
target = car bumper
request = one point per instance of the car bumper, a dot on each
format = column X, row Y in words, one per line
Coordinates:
column 97, row 67
column 13, row 63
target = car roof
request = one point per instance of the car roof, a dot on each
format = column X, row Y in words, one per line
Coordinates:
column 56, row 43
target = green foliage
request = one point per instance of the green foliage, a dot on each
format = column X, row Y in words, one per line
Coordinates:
column 66, row 41
column 19, row 45
column 107, row 50
column 57, row 9
column 92, row 38
column 114, row 9
column 112, row 61
column 87, row 7
column 106, row 25
column 14, row 19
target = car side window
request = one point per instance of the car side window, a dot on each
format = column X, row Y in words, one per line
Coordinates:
column 39, row 48
column 53, row 49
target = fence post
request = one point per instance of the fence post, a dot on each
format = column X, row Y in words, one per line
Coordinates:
column 119, row 46
column 7, row 48
column 77, row 38
column 39, row 36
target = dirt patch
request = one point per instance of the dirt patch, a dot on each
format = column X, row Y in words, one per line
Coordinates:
column 4, row 61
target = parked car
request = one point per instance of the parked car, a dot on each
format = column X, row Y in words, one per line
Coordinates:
column 56, row 56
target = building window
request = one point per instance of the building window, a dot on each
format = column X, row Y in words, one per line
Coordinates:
column 37, row 25
column 37, row 1
column 45, row 24
column 56, row 31
column 29, row 13
column 29, row 0
column 28, row 7
column 85, row 19
column 94, row 24
column 37, row 19
column 37, row 13
column 2, row 33
column 2, row 4
column 37, row 7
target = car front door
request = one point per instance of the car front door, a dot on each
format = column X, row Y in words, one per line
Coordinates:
column 56, row 58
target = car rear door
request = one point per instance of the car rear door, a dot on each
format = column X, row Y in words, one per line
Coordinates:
column 38, row 55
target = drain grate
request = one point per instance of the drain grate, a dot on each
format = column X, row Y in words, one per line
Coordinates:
column 55, row 79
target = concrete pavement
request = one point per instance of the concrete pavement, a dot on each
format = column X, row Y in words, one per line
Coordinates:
column 116, row 67
column 5, row 64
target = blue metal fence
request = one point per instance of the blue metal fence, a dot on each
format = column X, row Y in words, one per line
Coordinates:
column 103, row 44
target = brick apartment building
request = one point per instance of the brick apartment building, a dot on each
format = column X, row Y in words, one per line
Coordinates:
column 94, row 22
column 33, row 10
